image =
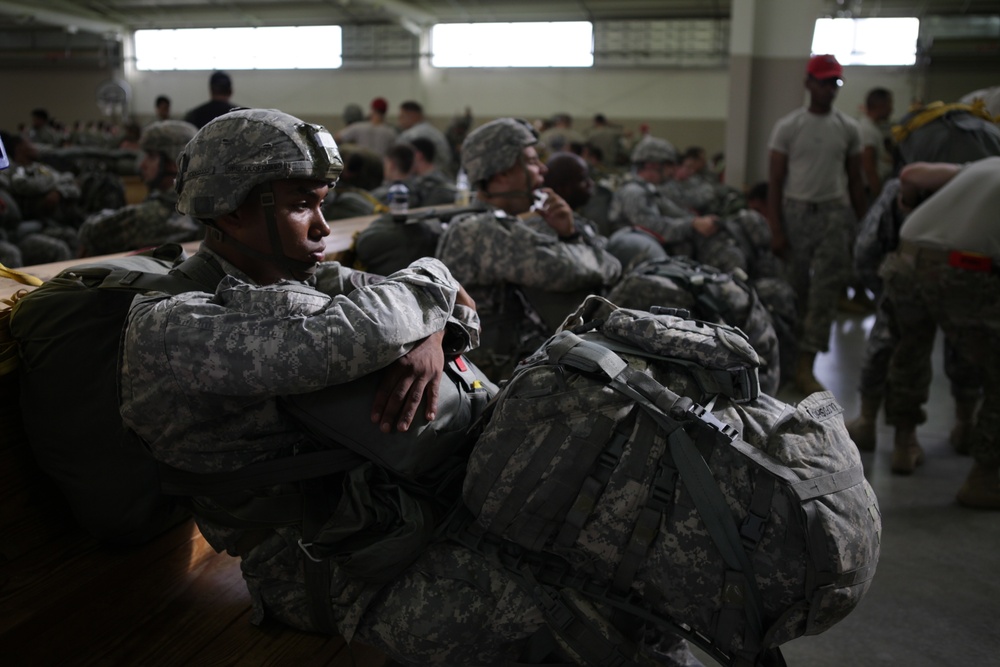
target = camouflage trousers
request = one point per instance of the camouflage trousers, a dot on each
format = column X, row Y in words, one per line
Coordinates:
column 818, row 264
column 926, row 293
column 965, row 377
column 456, row 607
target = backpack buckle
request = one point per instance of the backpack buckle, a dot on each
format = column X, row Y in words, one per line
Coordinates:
column 305, row 550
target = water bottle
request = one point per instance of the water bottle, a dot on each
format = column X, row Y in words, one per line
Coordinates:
column 399, row 201
column 462, row 193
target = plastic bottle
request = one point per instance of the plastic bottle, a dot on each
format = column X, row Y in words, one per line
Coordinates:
column 462, row 193
column 399, row 201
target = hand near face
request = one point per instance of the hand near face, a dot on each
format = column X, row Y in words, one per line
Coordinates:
column 557, row 213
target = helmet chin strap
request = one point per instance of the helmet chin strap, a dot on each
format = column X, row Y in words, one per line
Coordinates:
column 277, row 256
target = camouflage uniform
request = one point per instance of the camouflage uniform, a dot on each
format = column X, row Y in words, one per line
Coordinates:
column 249, row 346
column 200, row 379
column 522, row 275
column 694, row 193
column 431, row 189
column 640, row 204
column 819, row 264
column 879, row 235
column 153, row 222
column 493, row 254
column 926, row 291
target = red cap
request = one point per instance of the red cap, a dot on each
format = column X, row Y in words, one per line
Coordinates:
column 824, row 67
column 380, row 105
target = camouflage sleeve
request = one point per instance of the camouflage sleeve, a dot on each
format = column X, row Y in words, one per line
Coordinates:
column 150, row 223
column 249, row 342
column 876, row 227
column 635, row 205
column 484, row 250
column 461, row 332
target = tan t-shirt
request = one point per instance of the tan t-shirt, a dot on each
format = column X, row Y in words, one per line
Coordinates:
column 817, row 146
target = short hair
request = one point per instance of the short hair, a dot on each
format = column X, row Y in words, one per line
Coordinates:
column 162, row 99
column 693, row 152
column 425, row 147
column 758, row 191
column 410, row 105
column 402, row 156
column 600, row 118
column 877, row 96
column 220, row 83
column 40, row 113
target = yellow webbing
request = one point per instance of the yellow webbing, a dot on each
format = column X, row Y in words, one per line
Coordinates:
column 935, row 110
column 8, row 346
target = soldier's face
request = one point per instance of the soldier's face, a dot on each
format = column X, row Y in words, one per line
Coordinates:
column 301, row 226
column 149, row 167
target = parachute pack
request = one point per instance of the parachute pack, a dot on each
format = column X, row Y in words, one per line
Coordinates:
column 67, row 333
column 632, row 460
column 708, row 294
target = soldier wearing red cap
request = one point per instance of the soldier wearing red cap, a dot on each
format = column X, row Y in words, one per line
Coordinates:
column 815, row 166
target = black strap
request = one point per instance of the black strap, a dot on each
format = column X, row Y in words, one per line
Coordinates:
column 174, row 481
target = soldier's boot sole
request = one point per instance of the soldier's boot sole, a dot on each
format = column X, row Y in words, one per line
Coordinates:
column 981, row 489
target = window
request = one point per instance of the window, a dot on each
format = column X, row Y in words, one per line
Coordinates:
column 891, row 41
column 565, row 44
column 301, row 47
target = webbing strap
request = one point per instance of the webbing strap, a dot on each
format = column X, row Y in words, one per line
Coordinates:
column 701, row 484
column 174, row 481
column 594, row 485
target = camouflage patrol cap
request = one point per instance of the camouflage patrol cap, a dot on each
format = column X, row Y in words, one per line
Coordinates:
column 495, row 146
column 168, row 137
column 239, row 150
column 653, row 149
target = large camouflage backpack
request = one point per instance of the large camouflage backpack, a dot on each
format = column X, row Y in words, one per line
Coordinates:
column 67, row 333
column 629, row 462
column 709, row 294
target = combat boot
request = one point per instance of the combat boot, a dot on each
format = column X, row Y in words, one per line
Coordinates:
column 804, row 379
column 961, row 432
column 862, row 428
column 906, row 451
column 981, row 488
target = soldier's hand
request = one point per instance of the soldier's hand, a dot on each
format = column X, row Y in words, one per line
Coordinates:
column 557, row 213
column 407, row 381
column 706, row 225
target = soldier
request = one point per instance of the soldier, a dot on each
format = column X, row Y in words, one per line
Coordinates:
column 815, row 163
column 204, row 396
column 648, row 219
column 220, row 89
column 154, row 221
column 527, row 265
column 946, row 272
column 413, row 124
column 428, row 184
column 201, row 377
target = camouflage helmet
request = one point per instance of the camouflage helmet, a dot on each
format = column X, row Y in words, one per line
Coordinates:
column 167, row 136
column 653, row 149
column 495, row 146
column 239, row 150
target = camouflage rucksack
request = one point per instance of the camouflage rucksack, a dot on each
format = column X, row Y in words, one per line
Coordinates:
column 627, row 461
column 708, row 294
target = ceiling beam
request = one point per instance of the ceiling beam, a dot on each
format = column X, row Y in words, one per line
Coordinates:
column 68, row 20
column 409, row 17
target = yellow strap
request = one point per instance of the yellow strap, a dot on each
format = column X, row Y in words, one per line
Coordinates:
column 935, row 110
column 19, row 276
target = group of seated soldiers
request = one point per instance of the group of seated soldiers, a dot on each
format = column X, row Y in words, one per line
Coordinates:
column 69, row 202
